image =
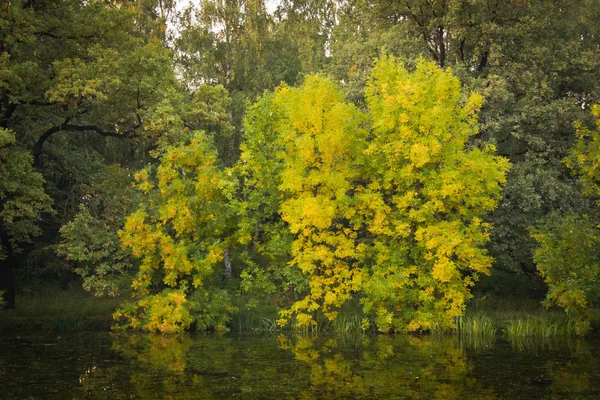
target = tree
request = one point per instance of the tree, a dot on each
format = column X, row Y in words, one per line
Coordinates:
column 536, row 63
column 236, row 44
column 427, row 197
column 180, row 236
column 584, row 158
column 567, row 256
column 309, row 25
column 22, row 200
column 85, row 85
column 568, row 260
column 388, row 204
column 321, row 140
column 90, row 240
column 265, row 238
column 69, row 71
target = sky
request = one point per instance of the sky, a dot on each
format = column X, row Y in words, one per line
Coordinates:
column 271, row 4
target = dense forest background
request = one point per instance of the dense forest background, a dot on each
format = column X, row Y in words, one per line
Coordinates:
column 146, row 152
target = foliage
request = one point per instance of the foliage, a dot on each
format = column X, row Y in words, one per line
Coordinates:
column 584, row 158
column 298, row 161
column 320, row 140
column 385, row 195
column 568, row 260
column 265, row 237
column 535, row 62
column 567, row 257
column 21, row 193
column 211, row 309
column 91, row 240
column 391, row 206
column 179, row 237
column 426, row 199
column 164, row 312
column 237, row 45
column 83, row 85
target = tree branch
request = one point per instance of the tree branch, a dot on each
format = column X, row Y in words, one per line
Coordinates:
column 66, row 127
column 5, row 117
column 483, row 61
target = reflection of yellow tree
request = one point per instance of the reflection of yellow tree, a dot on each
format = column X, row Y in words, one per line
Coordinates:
column 391, row 367
column 157, row 355
column 160, row 352
column 157, row 365
column 429, row 367
column 331, row 375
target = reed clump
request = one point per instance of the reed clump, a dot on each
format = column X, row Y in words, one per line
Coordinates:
column 540, row 328
column 475, row 326
column 349, row 323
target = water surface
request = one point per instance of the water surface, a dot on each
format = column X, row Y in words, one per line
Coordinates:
column 100, row 365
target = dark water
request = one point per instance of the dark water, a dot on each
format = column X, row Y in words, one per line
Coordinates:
column 134, row 366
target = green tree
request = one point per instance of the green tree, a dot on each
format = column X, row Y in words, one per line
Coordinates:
column 569, row 262
column 567, row 256
column 22, row 200
column 90, row 240
column 265, row 237
column 85, row 85
column 236, row 44
column 69, row 71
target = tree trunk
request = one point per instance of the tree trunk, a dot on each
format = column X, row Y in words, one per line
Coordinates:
column 7, row 278
column 227, row 263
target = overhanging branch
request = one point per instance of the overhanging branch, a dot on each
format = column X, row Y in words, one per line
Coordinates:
column 67, row 127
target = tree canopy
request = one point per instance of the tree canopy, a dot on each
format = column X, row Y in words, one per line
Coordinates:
column 305, row 155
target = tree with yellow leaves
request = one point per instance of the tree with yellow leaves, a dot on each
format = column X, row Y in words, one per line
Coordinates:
column 179, row 238
column 334, row 203
column 321, row 140
column 388, row 203
column 300, row 164
column 426, row 198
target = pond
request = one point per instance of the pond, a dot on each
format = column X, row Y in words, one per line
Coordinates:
column 101, row 365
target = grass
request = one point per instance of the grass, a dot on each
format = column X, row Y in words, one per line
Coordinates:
column 542, row 328
column 264, row 319
column 59, row 310
column 349, row 323
column 54, row 309
column 520, row 319
column 475, row 326
column 476, row 332
column 258, row 319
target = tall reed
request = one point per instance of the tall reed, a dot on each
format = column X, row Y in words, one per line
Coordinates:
column 540, row 328
column 475, row 326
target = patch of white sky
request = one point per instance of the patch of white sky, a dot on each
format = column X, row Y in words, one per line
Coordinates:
column 174, row 27
column 270, row 4
column 182, row 5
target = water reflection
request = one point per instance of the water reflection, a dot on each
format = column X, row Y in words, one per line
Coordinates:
column 381, row 367
column 126, row 366
column 389, row 367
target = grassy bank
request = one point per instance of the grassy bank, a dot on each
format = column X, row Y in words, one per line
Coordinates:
column 54, row 309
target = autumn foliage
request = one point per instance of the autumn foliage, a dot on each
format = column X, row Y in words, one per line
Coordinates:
column 386, row 206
